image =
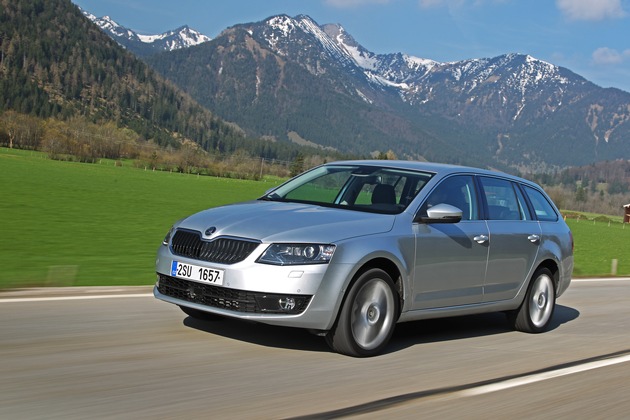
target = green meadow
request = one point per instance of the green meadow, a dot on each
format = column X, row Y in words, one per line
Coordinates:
column 77, row 224
column 597, row 244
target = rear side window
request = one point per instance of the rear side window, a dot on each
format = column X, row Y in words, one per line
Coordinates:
column 543, row 209
column 501, row 199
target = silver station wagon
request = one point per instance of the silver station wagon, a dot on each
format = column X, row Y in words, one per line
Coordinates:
column 349, row 249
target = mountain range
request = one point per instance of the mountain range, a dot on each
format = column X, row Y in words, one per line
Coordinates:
column 290, row 78
column 144, row 45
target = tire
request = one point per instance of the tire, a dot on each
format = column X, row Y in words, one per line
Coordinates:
column 368, row 316
column 200, row 315
column 536, row 311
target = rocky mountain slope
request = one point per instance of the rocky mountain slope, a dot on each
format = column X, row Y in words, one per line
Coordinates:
column 290, row 78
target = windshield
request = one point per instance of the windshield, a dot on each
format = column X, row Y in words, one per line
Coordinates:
column 364, row 188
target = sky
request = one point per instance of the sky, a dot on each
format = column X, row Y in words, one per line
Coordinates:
column 589, row 37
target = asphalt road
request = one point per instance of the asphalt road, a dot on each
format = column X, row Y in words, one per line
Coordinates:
column 79, row 353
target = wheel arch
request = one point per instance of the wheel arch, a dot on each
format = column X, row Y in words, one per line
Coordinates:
column 552, row 266
column 391, row 268
column 341, row 337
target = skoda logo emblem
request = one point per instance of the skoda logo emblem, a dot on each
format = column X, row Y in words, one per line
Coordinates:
column 210, row 230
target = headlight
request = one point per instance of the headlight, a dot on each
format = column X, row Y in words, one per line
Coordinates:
column 167, row 238
column 297, row 254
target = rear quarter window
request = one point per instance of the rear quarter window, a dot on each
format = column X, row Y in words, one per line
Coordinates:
column 542, row 207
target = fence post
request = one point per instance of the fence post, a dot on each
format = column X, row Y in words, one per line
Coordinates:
column 613, row 268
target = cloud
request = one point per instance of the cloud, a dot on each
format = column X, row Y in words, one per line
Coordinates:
column 354, row 3
column 606, row 56
column 591, row 9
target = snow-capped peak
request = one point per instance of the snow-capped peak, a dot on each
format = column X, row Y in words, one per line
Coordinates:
column 284, row 28
column 187, row 36
column 362, row 57
column 108, row 24
column 142, row 44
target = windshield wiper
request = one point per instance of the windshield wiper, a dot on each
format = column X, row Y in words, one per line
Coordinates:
column 270, row 197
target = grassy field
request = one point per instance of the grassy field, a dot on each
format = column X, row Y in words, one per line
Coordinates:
column 597, row 244
column 66, row 223
column 74, row 224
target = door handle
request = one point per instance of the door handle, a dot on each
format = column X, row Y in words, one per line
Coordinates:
column 534, row 238
column 481, row 239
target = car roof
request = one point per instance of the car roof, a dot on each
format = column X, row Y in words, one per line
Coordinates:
column 409, row 164
column 437, row 168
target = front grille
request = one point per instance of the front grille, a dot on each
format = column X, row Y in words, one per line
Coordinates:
column 225, row 298
column 188, row 243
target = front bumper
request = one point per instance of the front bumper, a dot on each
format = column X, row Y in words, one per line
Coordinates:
column 234, row 300
column 306, row 296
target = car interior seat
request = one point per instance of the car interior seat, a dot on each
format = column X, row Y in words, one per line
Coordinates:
column 384, row 194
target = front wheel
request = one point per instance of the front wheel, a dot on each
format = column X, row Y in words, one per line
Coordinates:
column 534, row 314
column 368, row 316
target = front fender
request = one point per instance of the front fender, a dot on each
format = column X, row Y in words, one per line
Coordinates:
column 359, row 253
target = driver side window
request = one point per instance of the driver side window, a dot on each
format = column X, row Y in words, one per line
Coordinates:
column 458, row 191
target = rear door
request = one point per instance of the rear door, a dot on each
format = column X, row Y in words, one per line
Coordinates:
column 514, row 238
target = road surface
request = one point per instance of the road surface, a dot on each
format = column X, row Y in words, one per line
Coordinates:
column 78, row 353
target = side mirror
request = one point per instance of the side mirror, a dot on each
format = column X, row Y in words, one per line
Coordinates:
column 441, row 213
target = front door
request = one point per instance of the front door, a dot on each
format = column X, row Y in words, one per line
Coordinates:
column 450, row 264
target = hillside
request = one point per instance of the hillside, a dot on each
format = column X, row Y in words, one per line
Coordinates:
column 55, row 63
column 270, row 94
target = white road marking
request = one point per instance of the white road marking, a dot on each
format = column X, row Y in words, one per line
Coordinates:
column 600, row 279
column 469, row 391
column 539, row 377
column 87, row 297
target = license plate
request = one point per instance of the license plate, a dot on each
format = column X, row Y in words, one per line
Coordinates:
column 197, row 273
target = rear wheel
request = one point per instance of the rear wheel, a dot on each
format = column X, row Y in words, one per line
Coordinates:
column 200, row 315
column 368, row 316
column 536, row 311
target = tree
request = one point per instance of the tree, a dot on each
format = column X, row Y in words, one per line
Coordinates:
column 9, row 121
column 22, row 131
column 580, row 194
column 297, row 166
column 389, row 155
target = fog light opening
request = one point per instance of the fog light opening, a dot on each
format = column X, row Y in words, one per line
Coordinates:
column 282, row 304
column 286, row 304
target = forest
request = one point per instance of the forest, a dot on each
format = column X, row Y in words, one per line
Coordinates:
column 60, row 68
column 80, row 140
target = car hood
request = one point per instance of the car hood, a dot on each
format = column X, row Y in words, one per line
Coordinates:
column 287, row 222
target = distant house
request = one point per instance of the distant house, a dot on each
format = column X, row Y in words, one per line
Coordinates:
column 626, row 216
